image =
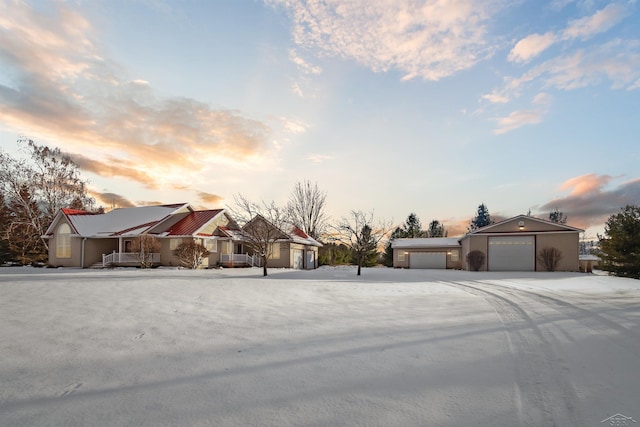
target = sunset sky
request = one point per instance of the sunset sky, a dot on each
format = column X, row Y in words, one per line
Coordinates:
column 397, row 106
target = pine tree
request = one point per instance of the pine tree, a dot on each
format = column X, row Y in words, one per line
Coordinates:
column 436, row 229
column 482, row 218
column 412, row 228
column 557, row 216
column 620, row 245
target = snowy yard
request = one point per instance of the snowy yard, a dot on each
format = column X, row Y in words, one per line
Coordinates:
column 170, row 347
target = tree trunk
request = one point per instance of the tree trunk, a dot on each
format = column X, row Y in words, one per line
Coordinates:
column 264, row 266
column 359, row 266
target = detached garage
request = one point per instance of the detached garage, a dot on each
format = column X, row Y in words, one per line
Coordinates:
column 514, row 244
column 434, row 253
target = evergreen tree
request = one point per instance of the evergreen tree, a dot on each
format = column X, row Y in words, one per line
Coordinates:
column 436, row 229
column 412, row 228
column 482, row 218
column 557, row 216
column 620, row 245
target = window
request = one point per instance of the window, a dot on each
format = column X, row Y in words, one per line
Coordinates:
column 174, row 243
column 275, row 251
column 455, row 256
column 211, row 245
column 63, row 241
column 400, row 256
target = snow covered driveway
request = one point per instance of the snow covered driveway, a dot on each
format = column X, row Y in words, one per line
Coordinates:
column 317, row 348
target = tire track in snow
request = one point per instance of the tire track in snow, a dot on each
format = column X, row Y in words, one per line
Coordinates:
column 620, row 335
column 544, row 394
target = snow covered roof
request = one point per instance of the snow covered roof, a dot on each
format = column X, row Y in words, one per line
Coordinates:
column 423, row 243
column 299, row 236
column 120, row 222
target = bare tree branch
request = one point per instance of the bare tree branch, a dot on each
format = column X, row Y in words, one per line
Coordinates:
column 263, row 225
column 306, row 208
column 360, row 235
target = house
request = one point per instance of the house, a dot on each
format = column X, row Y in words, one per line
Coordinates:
column 510, row 245
column 287, row 246
column 82, row 239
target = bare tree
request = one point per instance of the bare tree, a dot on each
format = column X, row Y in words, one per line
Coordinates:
column 263, row 224
column 144, row 247
column 360, row 235
column 51, row 180
column 191, row 254
column 306, row 208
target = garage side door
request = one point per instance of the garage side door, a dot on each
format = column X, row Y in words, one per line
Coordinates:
column 511, row 253
column 428, row 260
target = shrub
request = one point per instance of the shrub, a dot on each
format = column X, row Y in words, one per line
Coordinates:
column 475, row 260
column 191, row 254
column 144, row 247
column 549, row 258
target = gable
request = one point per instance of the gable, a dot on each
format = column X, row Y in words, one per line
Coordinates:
column 524, row 224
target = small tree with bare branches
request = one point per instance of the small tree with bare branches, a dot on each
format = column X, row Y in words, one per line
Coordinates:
column 360, row 235
column 144, row 247
column 549, row 258
column 263, row 224
column 191, row 254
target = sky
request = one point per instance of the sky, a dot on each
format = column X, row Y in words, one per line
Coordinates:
column 398, row 106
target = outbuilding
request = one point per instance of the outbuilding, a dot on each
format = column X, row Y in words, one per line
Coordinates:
column 515, row 244
column 434, row 253
column 518, row 243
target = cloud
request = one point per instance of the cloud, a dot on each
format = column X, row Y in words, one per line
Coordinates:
column 429, row 39
column 113, row 167
column 599, row 22
column 584, row 28
column 111, row 200
column 585, row 184
column 63, row 89
column 531, row 46
column 302, row 64
column 589, row 203
column 210, row 199
column 319, row 158
column 516, row 119
column 496, row 98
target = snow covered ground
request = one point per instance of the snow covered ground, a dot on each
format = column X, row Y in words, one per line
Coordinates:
column 170, row 347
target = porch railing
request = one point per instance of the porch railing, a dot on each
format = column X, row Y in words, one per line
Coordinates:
column 241, row 259
column 125, row 258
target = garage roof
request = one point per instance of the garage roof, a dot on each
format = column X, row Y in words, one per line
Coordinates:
column 434, row 242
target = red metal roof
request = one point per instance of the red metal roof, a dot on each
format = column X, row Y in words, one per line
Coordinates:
column 192, row 222
column 299, row 233
column 68, row 211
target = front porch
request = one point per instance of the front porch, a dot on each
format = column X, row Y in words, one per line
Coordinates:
column 240, row 260
column 126, row 259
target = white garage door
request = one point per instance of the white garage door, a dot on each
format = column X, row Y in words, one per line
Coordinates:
column 311, row 260
column 297, row 259
column 428, row 260
column 511, row 253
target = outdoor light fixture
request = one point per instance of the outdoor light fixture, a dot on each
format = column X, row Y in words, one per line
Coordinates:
column 521, row 225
